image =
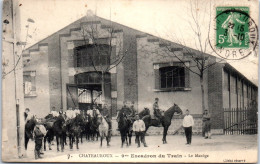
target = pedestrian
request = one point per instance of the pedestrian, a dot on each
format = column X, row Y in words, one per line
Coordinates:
column 207, row 124
column 39, row 132
column 139, row 129
column 188, row 122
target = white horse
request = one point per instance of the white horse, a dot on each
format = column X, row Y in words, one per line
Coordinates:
column 103, row 130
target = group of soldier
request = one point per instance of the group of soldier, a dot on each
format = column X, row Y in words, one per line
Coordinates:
column 40, row 131
column 94, row 111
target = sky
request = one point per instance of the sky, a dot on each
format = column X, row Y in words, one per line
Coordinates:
column 168, row 19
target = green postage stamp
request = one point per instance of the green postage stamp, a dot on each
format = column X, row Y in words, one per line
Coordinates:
column 232, row 27
column 235, row 33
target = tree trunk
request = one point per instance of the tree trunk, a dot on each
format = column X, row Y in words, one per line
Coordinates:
column 202, row 92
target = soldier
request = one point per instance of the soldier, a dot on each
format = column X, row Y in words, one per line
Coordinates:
column 188, row 122
column 156, row 110
column 107, row 116
column 206, row 124
column 26, row 113
column 133, row 111
column 139, row 129
column 54, row 112
column 39, row 133
column 105, row 111
column 90, row 112
column 77, row 111
column 95, row 111
column 126, row 109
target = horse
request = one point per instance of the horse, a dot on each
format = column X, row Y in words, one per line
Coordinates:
column 164, row 120
column 88, row 128
column 74, row 130
column 144, row 112
column 103, row 130
column 50, row 133
column 29, row 126
column 58, row 130
column 93, row 128
column 85, row 126
column 48, row 124
column 124, row 126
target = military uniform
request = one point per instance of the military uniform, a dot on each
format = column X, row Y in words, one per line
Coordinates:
column 139, row 129
column 39, row 132
column 206, row 125
column 106, row 115
column 126, row 110
column 156, row 110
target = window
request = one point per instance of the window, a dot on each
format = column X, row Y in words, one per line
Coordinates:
column 29, row 83
column 87, row 55
column 172, row 77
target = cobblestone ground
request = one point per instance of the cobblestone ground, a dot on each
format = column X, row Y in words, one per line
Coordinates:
column 219, row 144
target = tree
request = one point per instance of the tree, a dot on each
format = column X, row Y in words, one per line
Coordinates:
column 201, row 56
column 103, row 57
column 19, row 43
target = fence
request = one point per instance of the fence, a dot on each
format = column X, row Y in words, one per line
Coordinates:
column 240, row 121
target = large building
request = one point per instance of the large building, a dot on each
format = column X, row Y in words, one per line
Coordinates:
column 64, row 71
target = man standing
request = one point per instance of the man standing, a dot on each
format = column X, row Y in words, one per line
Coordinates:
column 206, row 124
column 139, row 129
column 39, row 132
column 188, row 122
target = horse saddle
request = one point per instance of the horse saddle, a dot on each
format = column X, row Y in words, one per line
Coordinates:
column 158, row 121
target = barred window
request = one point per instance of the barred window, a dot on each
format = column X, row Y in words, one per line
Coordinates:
column 87, row 55
column 172, row 77
column 29, row 83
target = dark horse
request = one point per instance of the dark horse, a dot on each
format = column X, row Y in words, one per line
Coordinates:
column 29, row 126
column 74, row 128
column 59, row 131
column 48, row 123
column 125, row 128
column 93, row 128
column 85, row 126
column 144, row 112
column 164, row 120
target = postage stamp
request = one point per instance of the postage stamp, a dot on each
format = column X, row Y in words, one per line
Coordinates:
column 236, row 33
column 232, row 28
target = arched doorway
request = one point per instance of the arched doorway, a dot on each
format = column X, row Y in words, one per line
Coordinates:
column 87, row 90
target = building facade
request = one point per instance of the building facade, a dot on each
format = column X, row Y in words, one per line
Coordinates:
column 65, row 70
